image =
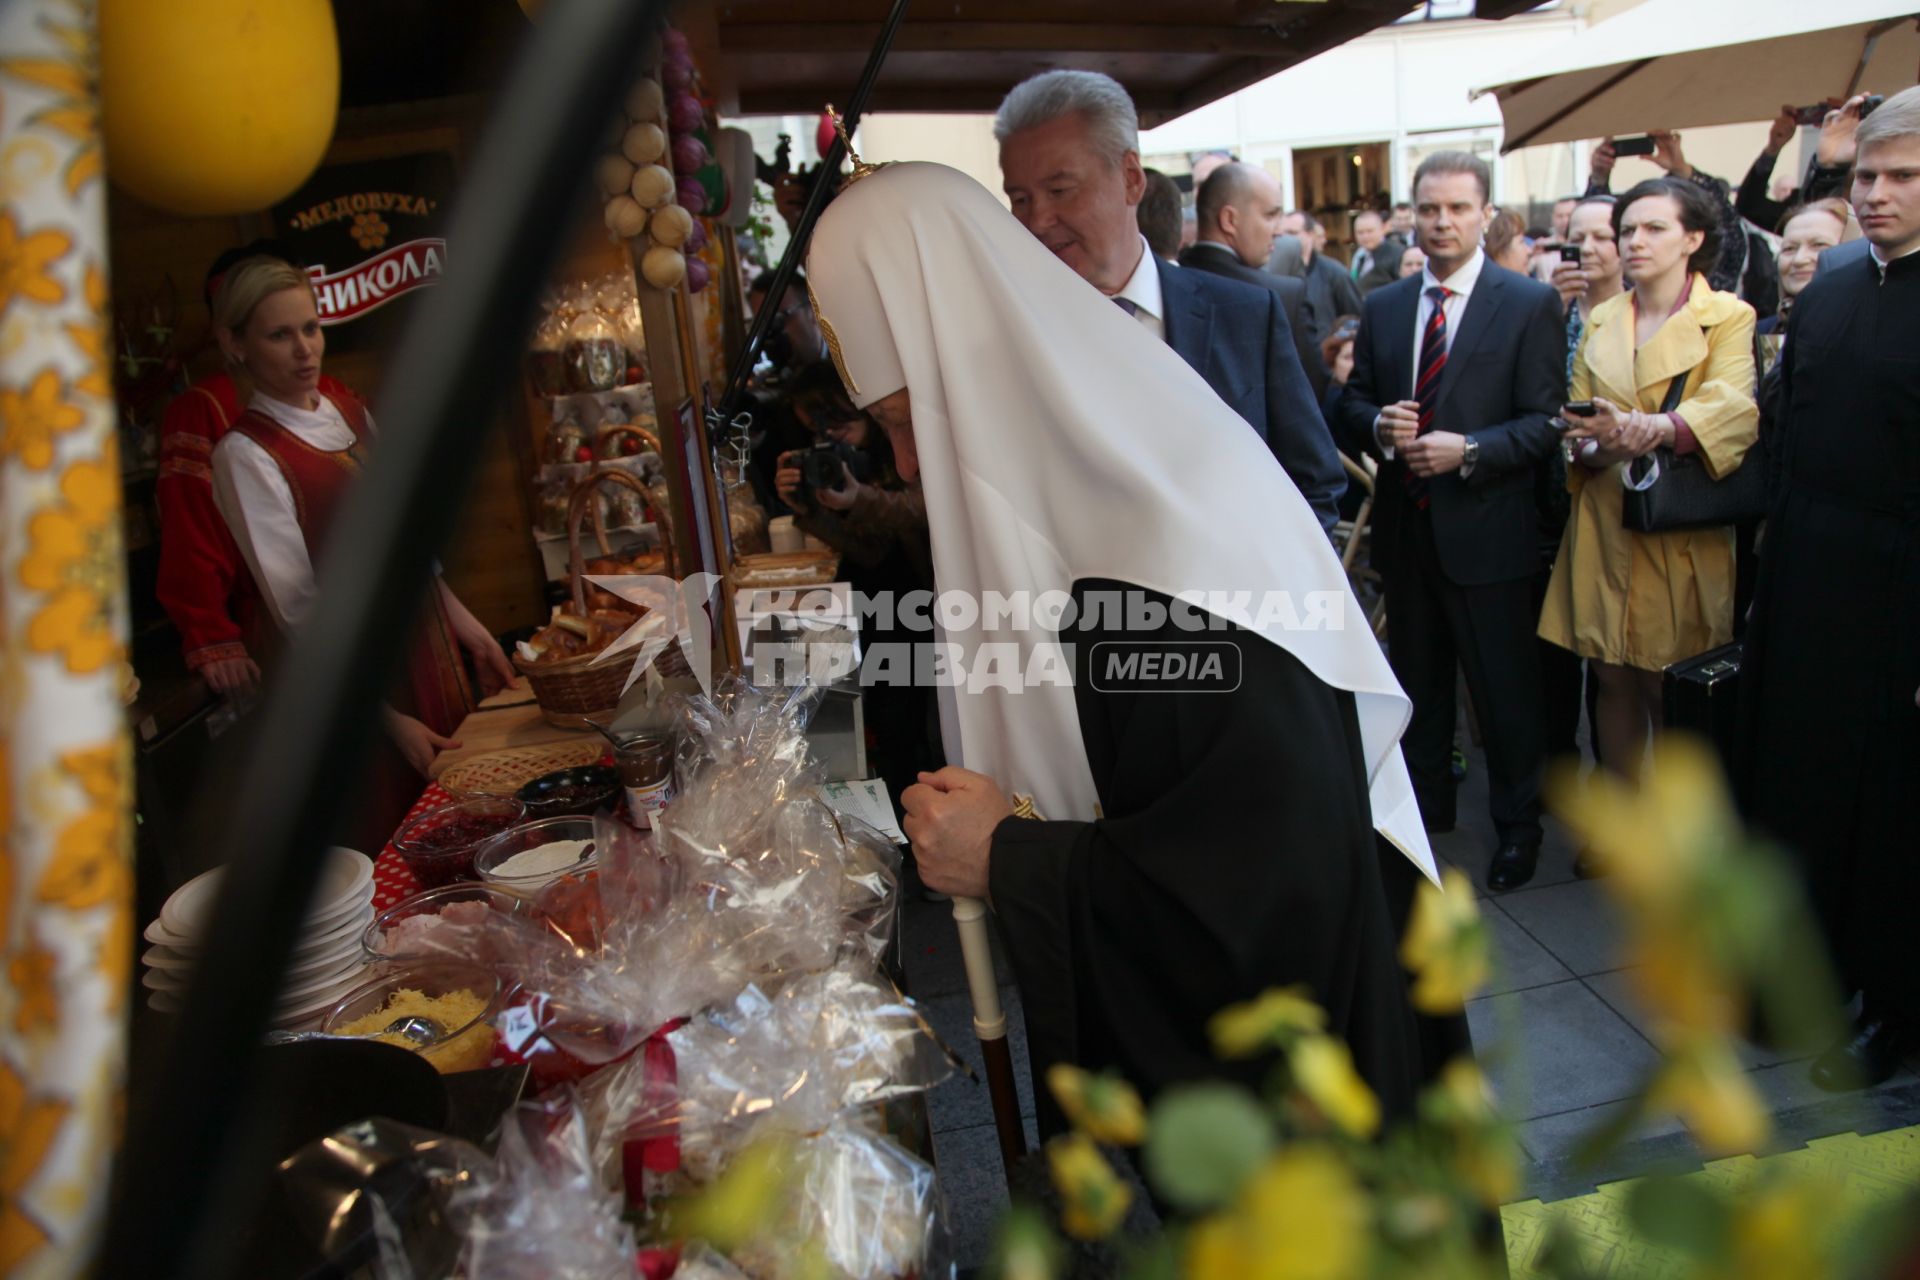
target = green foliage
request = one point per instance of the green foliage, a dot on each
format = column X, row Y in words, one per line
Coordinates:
column 1203, row 1142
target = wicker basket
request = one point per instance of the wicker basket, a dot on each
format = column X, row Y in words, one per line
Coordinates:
column 575, row 692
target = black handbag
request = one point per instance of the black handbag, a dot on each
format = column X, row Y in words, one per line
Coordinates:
column 1701, row 694
column 1685, row 495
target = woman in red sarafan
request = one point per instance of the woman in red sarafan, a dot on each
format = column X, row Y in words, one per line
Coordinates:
column 203, row 583
column 278, row 477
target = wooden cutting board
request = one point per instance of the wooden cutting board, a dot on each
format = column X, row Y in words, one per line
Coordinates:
column 508, row 719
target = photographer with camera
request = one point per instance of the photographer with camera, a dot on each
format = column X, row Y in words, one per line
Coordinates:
column 1826, row 175
column 846, row 490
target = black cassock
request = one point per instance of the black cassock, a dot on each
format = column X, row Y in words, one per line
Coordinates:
column 1833, row 650
column 1235, row 853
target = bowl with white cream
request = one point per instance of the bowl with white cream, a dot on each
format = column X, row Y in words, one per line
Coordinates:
column 525, row 859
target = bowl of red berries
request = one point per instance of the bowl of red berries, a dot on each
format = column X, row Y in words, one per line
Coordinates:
column 438, row 845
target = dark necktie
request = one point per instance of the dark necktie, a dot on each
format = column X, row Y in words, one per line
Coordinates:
column 1426, row 382
column 1127, row 305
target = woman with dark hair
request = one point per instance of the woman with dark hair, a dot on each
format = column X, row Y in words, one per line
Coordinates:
column 1633, row 603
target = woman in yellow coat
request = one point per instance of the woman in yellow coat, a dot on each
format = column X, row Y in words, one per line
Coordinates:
column 1633, row 603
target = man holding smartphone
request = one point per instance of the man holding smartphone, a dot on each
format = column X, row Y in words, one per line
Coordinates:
column 1457, row 374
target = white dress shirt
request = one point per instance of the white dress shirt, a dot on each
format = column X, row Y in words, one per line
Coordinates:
column 1461, row 284
column 255, row 499
column 1143, row 291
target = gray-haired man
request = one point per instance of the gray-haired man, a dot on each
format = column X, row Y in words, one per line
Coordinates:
column 1070, row 164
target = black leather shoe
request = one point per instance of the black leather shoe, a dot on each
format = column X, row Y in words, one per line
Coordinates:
column 1867, row 1057
column 1512, row 866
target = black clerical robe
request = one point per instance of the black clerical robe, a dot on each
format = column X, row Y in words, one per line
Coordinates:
column 1833, row 649
column 1235, row 853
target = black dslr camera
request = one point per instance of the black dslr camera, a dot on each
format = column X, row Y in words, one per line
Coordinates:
column 820, row 466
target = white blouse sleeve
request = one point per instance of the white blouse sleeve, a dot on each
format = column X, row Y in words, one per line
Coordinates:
column 257, row 503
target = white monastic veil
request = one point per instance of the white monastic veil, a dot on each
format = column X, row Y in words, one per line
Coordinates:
column 1059, row 441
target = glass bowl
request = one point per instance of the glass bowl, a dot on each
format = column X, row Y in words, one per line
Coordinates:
column 390, row 938
column 438, row 846
column 577, row 792
column 452, row 1006
column 492, row 862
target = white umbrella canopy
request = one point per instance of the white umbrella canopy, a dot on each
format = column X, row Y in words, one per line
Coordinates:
column 1673, row 64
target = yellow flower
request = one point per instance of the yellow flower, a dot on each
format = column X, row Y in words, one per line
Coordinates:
column 31, row 1127
column 740, row 1204
column 1268, row 1022
column 1323, row 1072
column 1702, row 1083
column 1780, row 1232
column 1655, row 838
column 74, row 557
column 1094, row 1199
column 26, row 263
column 89, row 867
column 1447, row 945
column 33, row 971
column 1104, row 1107
column 30, row 419
column 75, row 111
column 91, row 338
column 1677, row 981
column 1303, row 1216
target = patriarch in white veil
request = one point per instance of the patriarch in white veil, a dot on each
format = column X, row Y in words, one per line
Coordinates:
column 1059, row 445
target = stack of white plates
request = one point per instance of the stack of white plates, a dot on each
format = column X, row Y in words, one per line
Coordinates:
column 326, row 963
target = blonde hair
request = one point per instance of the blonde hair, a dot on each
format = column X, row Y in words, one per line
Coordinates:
column 250, row 282
column 1834, row 207
column 1897, row 117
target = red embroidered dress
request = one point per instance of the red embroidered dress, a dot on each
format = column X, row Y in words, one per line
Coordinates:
column 203, row 582
column 436, row 689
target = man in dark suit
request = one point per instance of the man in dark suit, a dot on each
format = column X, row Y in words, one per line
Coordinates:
column 1376, row 253
column 1457, row 374
column 1331, row 293
column 1070, row 165
column 1238, row 212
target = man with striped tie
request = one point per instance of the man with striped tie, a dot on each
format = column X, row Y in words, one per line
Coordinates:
column 1457, row 374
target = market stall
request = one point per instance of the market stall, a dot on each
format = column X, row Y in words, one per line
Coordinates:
column 745, row 927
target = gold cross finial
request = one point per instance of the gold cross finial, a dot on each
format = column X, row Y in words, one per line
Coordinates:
column 861, row 169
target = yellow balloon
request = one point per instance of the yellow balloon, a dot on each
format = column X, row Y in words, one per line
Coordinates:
column 215, row 107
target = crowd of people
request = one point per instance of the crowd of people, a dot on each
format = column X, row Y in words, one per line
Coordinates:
column 1172, row 408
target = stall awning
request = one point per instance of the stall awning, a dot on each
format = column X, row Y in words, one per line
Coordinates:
column 1672, row 64
column 790, row 56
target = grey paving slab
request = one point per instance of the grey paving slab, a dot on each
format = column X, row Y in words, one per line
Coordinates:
column 1555, row 1049
column 1574, row 921
column 930, row 950
column 1788, row 1087
column 1616, row 989
column 975, row 1188
column 1559, row 1137
column 1519, row 961
column 961, row 1102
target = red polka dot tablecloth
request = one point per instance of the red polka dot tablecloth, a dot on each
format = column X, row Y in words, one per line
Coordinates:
column 392, row 880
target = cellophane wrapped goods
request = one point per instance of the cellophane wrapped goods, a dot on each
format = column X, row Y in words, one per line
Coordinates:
column 785, row 882
column 544, row 1213
column 859, row 1200
column 790, row 1062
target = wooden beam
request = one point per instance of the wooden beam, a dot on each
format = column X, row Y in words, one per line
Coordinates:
column 1011, row 37
column 1155, row 106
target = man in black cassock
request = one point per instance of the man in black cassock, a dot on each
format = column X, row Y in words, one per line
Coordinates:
column 1199, row 843
column 1832, row 690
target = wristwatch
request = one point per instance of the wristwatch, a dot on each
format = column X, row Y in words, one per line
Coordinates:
column 1469, row 453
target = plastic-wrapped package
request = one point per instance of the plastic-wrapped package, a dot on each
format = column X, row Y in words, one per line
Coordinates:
column 544, row 1213
column 379, row 1194
column 868, row 1205
column 820, row 1045
column 700, row 1262
column 786, row 881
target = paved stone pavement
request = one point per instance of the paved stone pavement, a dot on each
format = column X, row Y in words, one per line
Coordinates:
column 1557, row 1031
